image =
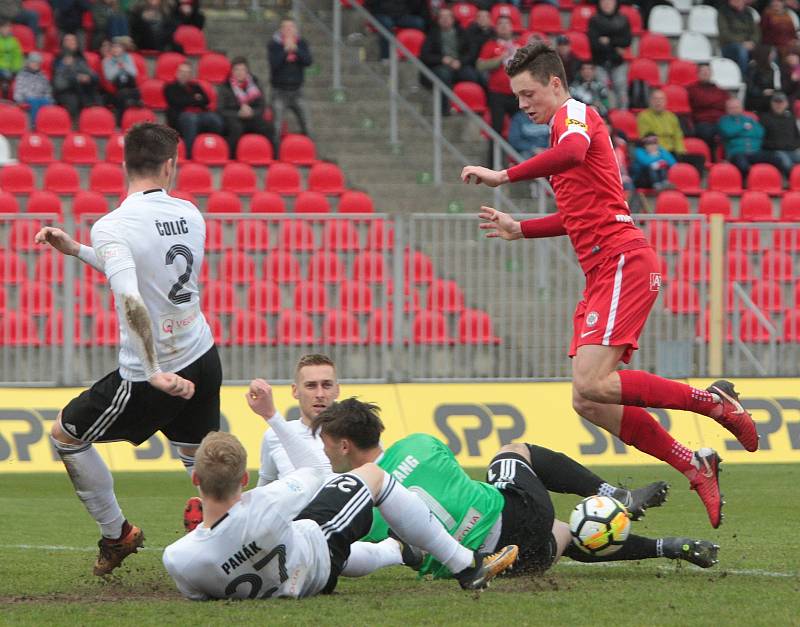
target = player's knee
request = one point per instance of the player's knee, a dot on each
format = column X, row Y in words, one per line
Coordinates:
column 582, row 406
column 517, row 448
column 586, row 387
column 59, row 435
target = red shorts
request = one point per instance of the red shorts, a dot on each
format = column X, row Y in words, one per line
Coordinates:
column 619, row 295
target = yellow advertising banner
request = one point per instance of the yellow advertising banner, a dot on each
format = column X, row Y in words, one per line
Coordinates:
column 473, row 419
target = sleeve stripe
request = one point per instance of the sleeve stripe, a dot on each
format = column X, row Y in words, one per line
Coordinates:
column 575, row 131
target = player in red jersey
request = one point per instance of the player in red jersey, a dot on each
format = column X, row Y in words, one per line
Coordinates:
column 622, row 278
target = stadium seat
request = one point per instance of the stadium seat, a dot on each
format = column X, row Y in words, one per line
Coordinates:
column 369, row 267
column 53, row 120
column 215, row 239
column 768, row 297
column 8, row 203
column 210, row 149
column 746, row 240
column 465, row 13
column 17, row 328
column 264, row 297
column 311, row 202
column 167, row 65
column 283, row 178
column 43, row 10
column 635, row 21
column 355, row 202
column 580, row 16
column 13, row 269
column 725, row 178
column 236, row 267
column 105, row 329
column 17, row 179
column 298, row 150
column 380, row 236
column 475, row 327
column 430, row 327
column 380, row 327
column 733, row 301
column 655, row 46
column 54, row 331
column 218, row 297
column 115, row 148
column 311, row 297
column 646, row 70
column 355, row 296
column 412, row 39
column 25, row 36
column 223, row 202
column 663, row 236
column 35, row 148
column 681, row 72
column 714, row 202
column 703, row 19
column 696, row 146
column 623, row 120
column 764, row 177
column 134, row 115
column 44, row 202
column 666, row 20
column 794, row 179
column 21, row 234
column 753, row 330
column 777, row 265
column 79, row 149
column 191, row 39
column 281, row 267
column 107, row 178
column 252, row 235
column 682, row 298
column 790, row 206
column 13, row 121
column 296, row 235
column 249, row 329
column 217, row 329
column 694, row 48
column 755, row 207
column 62, row 178
column 325, row 267
column 418, row 267
column 267, row 202
column 254, row 149
column 739, row 267
column 786, row 239
column 341, row 327
column 791, row 326
column 547, row 18
column 677, row 100
column 194, row 178
column 152, row 90
column 326, row 178
column 295, row 328
column 473, row 95
column 703, row 326
column 685, row 178
column 693, row 266
column 445, row 295
column 508, row 10
column 239, row 178
column 725, row 73
column 340, row 236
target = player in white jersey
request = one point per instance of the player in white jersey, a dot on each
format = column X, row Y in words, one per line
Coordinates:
column 151, row 251
column 281, row 540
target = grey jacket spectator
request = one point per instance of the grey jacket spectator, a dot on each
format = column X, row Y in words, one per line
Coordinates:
column 119, row 68
column 781, row 135
column 74, row 82
column 31, row 83
column 587, row 89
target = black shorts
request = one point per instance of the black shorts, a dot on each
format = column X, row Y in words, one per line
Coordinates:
column 117, row 409
column 343, row 510
column 528, row 513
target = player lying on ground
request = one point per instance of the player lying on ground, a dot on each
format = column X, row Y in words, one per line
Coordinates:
column 622, row 278
column 151, row 251
column 282, row 540
column 514, row 507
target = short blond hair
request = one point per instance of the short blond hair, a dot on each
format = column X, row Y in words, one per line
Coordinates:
column 220, row 464
column 313, row 359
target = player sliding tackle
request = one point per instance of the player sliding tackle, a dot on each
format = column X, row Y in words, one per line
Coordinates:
column 622, row 278
column 282, row 540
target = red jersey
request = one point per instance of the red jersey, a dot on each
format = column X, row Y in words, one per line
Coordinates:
column 498, row 79
column 589, row 197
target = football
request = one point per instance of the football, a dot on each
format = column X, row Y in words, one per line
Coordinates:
column 599, row 525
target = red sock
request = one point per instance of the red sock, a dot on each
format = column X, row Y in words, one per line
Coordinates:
column 640, row 429
column 643, row 389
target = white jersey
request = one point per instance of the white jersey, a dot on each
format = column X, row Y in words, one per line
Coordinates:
column 163, row 238
column 257, row 550
column 275, row 463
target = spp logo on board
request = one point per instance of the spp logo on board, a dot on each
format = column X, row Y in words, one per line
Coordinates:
column 501, row 418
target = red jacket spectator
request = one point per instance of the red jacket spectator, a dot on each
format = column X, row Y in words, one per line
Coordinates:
column 777, row 27
column 707, row 101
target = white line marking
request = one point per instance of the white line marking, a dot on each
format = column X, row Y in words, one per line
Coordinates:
column 57, row 547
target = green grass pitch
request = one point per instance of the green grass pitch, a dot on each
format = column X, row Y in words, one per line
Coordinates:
column 47, row 540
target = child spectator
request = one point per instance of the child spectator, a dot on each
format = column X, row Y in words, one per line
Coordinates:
column 651, row 164
column 32, row 87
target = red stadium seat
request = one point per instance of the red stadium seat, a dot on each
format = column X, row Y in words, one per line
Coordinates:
column 623, row 120
column 681, row 72
column 732, row 300
column 223, row 202
column 217, row 330
column 355, row 296
column 35, row 148
column 341, row 327
column 213, row 67
column 281, row 267
column 546, row 18
column 579, row 43
column 672, row 201
column 445, row 295
column 36, row 298
column 311, row 202
column 218, row 297
column 79, row 149
column 790, row 206
column 267, row 202
column 768, row 297
column 21, row 234
column 167, row 65
column 738, row 267
column 682, row 298
column 25, row 36
column 654, row 46
column 380, row 236
column 418, row 266
column 13, row 270
column 17, row 179
column 755, row 207
column 105, row 329
column 53, row 120
column 794, row 178
column 753, row 330
column 777, row 265
column 8, row 203
column 764, row 177
column 295, row 328
column 663, row 236
column 283, row 178
column 296, row 235
column 210, row 149
column 194, row 178
column 677, row 100
column 791, row 326
column 254, row 150
column 49, row 269
column 298, row 149
column 695, row 146
column 141, row 67
column 693, row 266
column 325, row 267
column 714, row 202
column 252, row 235
column 44, row 202
column 54, row 331
column 473, row 95
column 786, row 239
column 355, row 202
column 215, row 239
column 326, row 178
column 412, row 39
column 239, row 178
column 134, row 115
column 635, row 20
column 380, row 327
column 430, row 327
column 508, row 10
column 210, row 91
column 250, row 329
column 311, row 297
column 107, row 178
column 580, row 16
column 62, row 178
column 96, row 121
column 685, row 178
column 726, row 178
column 236, row 267
column 17, row 328
column 264, row 297
column 465, row 13
column 369, row 267
column 747, row 240
column 115, row 148
column 152, row 90
column 43, row 10
column 191, row 39
column 646, row 70
column 475, row 327
column 13, row 121
column 340, row 235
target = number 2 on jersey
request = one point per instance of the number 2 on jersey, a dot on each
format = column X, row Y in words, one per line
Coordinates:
column 175, row 296
column 255, row 581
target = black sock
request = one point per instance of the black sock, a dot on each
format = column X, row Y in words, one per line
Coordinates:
column 635, row 548
column 563, row 474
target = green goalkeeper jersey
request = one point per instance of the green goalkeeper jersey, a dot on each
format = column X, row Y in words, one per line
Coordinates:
column 468, row 509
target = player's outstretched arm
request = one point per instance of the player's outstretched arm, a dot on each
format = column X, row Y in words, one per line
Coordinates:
column 478, row 174
column 499, row 224
column 64, row 244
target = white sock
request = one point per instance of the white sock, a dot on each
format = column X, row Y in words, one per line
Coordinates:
column 188, row 462
column 409, row 518
column 366, row 557
column 94, row 485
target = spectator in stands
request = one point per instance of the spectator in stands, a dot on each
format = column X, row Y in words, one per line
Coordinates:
column 781, row 136
column 494, row 56
column 656, row 120
column 397, row 14
column 446, row 52
column 763, row 79
column 571, row 63
column 152, row 24
column 68, row 14
column 188, row 13
column 651, row 164
column 589, row 90
column 742, row 136
column 289, row 56
column 790, row 76
column 11, row 58
column 32, row 87
column 109, row 21
column 477, row 34
column 13, row 11
column 609, row 35
column 241, row 104
column 527, row 137
column 738, row 32
column 187, row 108
column 75, row 85
column 777, row 27
column 707, row 102
column 119, row 72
